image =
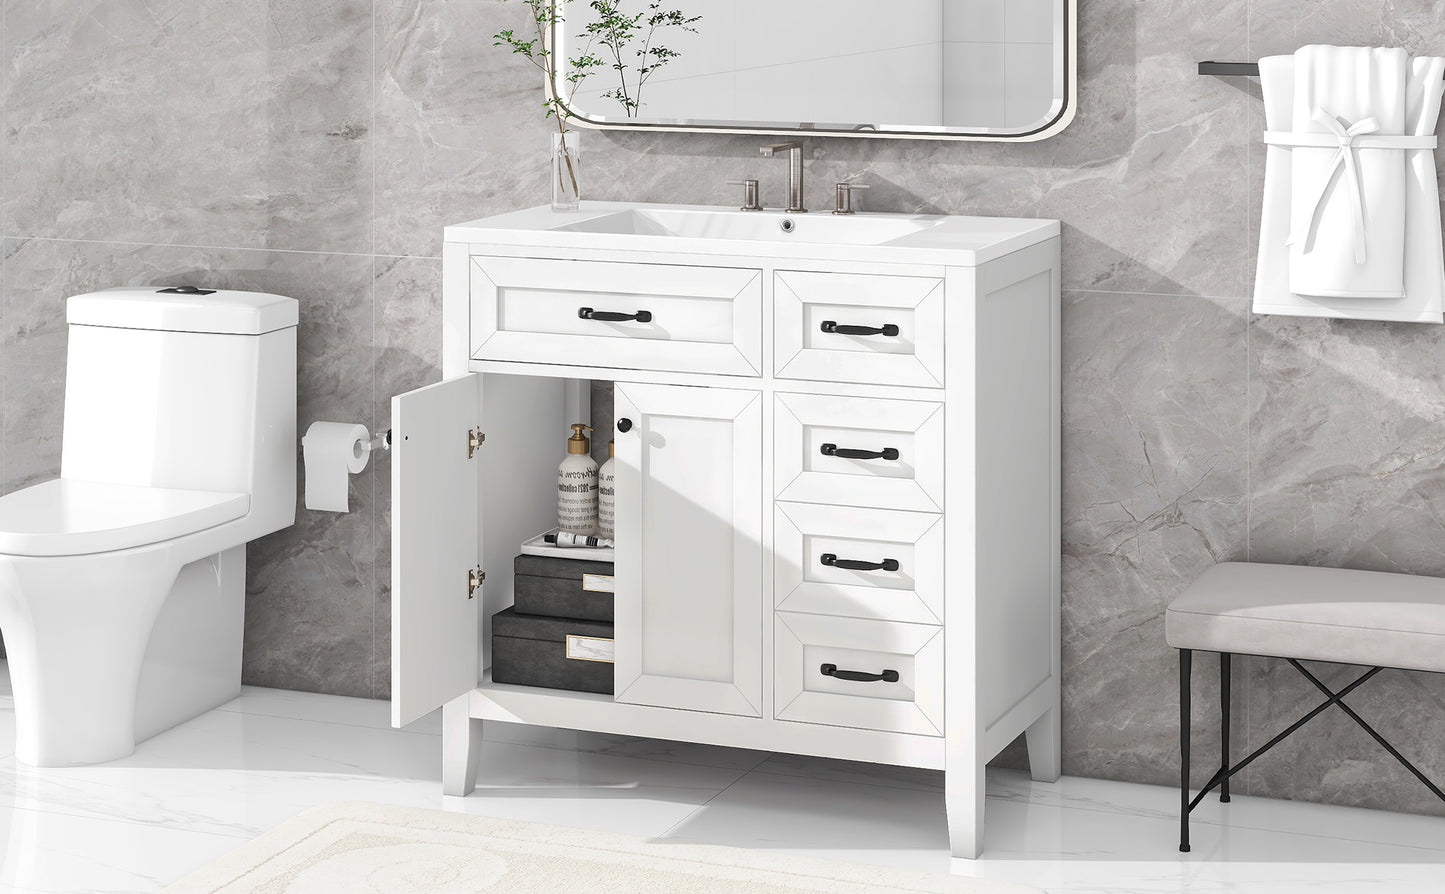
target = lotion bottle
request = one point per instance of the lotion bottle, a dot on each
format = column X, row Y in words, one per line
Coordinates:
column 607, row 494
column 577, row 486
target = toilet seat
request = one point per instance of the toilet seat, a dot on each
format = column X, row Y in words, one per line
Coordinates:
column 70, row 517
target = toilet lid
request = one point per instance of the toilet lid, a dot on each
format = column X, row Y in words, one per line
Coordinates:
column 68, row 517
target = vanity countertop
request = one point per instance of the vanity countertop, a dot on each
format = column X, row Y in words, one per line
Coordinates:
column 954, row 240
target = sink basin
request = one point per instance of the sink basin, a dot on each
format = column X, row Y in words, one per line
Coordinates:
column 727, row 232
column 757, row 226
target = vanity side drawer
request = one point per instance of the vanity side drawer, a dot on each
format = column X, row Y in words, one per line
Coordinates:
column 814, row 547
column 820, row 320
column 897, row 670
column 694, row 319
column 852, row 451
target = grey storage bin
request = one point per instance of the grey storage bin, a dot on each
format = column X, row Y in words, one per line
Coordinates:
column 563, row 588
column 532, row 650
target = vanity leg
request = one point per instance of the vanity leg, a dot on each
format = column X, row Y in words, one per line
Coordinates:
column 1043, row 741
column 963, row 788
column 461, row 747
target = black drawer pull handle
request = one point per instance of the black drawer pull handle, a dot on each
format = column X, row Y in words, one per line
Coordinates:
column 612, row 316
column 831, row 670
column 887, row 329
column 889, row 453
column 832, row 561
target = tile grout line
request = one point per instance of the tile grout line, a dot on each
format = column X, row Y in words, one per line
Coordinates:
column 238, row 248
column 375, row 357
column 122, row 821
column 699, row 808
column 380, row 729
column 4, row 285
column 1188, row 296
column 1245, row 781
column 378, row 255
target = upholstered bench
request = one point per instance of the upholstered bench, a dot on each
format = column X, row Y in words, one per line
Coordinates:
column 1294, row 612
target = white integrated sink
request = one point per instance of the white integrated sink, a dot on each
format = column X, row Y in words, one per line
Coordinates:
column 760, row 226
column 728, row 232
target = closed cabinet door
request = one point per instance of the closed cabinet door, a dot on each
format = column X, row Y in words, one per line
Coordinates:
column 689, row 568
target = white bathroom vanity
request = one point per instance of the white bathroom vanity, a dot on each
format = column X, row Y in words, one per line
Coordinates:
column 838, row 447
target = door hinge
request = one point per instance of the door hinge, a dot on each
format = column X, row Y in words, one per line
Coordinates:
column 475, row 439
column 475, row 576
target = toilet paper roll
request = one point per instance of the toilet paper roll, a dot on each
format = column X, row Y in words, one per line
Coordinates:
column 331, row 453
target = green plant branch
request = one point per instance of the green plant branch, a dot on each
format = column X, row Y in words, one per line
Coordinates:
column 615, row 32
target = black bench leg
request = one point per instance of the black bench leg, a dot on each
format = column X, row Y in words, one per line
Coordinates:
column 1224, row 667
column 1185, row 661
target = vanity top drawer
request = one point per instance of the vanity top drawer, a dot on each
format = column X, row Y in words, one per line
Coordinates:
column 622, row 315
column 865, row 674
column 853, row 327
column 854, row 451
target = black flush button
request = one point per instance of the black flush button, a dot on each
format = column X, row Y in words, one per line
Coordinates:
column 186, row 290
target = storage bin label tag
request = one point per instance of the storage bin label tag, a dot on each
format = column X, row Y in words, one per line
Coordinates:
column 591, row 648
column 598, row 583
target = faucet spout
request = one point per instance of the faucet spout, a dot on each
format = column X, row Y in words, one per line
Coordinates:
column 791, row 145
column 794, row 148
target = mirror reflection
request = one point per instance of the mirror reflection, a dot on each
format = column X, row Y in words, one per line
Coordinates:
column 999, row 68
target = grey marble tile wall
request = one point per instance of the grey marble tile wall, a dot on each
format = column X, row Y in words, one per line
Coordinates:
column 317, row 147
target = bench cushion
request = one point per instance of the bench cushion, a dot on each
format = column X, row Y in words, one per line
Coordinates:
column 1324, row 614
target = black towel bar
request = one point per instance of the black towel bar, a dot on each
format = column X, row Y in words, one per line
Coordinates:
column 1230, row 69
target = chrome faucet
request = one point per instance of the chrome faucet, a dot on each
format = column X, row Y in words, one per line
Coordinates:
column 794, row 148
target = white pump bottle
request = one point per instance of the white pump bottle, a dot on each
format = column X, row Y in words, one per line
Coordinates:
column 577, row 485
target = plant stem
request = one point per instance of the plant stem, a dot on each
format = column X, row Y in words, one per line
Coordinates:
column 549, row 68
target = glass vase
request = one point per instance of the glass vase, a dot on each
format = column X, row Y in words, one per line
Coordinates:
column 565, row 172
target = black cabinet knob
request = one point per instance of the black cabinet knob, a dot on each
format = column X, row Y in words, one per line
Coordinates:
column 624, row 424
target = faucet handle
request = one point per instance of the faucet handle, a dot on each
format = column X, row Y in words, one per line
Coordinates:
column 750, row 194
column 843, row 197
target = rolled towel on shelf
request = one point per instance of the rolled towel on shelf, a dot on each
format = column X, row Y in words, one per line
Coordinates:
column 1351, row 220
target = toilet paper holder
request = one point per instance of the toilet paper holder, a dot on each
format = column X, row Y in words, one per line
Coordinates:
column 331, row 452
column 380, row 441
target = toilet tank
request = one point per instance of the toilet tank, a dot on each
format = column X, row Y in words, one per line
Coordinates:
column 185, row 389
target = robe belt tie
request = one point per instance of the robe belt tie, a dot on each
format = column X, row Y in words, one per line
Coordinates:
column 1362, row 134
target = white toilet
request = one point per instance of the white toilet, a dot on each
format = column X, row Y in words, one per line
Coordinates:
column 122, row 582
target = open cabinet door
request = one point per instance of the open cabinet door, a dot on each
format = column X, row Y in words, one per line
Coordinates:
column 434, row 546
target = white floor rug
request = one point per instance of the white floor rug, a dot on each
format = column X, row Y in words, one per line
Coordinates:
column 354, row 848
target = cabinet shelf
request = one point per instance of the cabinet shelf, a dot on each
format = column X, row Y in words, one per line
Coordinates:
column 590, row 712
column 541, row 694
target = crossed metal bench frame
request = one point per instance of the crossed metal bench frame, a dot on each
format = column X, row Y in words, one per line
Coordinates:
column 1225, row 771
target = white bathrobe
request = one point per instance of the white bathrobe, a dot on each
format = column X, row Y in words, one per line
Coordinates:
column 1351, row 221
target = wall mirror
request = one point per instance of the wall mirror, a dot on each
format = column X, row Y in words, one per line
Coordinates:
column 946, row 69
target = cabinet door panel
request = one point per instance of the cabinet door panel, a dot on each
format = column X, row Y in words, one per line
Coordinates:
column 434, row 543
column 689, row 548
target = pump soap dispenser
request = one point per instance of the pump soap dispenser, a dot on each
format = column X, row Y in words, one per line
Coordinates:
column 577, row 485
column 607, row 494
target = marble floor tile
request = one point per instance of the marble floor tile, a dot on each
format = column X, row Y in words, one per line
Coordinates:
column 1115, row 838
column 345, row 710
column 197, row 791
column 50, row 853
column 235, row 773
